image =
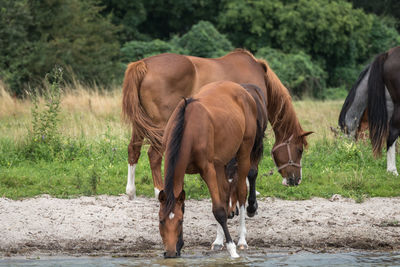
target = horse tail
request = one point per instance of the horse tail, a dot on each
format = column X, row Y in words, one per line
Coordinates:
column 132, row 109
column 377, row 112
column 172, row 153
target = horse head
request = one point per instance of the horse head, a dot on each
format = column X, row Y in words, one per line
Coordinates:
column 287, row 157
column 171, row 222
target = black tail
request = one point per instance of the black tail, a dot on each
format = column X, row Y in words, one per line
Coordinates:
column 173, row 149
column 377, row 112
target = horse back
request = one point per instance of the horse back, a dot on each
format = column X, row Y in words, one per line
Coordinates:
column 229, row 113
column 238, row 66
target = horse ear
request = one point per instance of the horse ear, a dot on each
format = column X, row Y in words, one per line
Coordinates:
column 182, row 196
column 162, row 197
column 304, row 134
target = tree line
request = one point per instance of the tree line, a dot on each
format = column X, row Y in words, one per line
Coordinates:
column 313, row 45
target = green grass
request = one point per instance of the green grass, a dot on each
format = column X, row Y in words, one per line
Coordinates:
column 88, row 156
column 89, row 167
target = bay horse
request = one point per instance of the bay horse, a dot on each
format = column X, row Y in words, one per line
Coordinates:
column 223, row 122
column 153, row 87
column 202, row 136
column 376, row 93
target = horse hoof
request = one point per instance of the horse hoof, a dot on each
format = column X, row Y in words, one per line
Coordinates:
column 131, row 197
column 243, row 247
column 217, row 247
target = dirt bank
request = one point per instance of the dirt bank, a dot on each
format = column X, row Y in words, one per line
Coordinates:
column 107, row 224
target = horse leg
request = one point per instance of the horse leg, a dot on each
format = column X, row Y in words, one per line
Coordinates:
column 243, row 170
column 252, row 201
column 155, row 159
column 133, row 156
column 219, row 210
column 394, row 131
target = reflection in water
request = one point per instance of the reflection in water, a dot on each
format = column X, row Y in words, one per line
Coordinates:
column 221, row 259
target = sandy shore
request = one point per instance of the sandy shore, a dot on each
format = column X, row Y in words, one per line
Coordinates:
column 113, row 225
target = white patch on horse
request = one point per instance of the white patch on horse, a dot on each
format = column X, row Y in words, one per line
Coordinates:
column 230, row 202
column 219, row 240
column 242, row 228
column 171, row 216
column 231, row 247
column 156, row 192
column 391, row 159
column 230, row 180
column 284, row 182
column 130, row 185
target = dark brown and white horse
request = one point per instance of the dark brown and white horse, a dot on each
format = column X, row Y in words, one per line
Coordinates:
column 377, row 92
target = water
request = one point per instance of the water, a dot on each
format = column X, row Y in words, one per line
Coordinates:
column 220, row 259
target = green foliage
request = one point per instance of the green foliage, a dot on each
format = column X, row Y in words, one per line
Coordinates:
column 44, row 139
column 331, row 32
column 36, row 35
column 135, row 50
column 203, row 40
column 297, row 71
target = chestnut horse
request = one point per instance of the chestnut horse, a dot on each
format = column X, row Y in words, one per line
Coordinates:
column 377, row 94
column 221, row 122
column 203, row 134
column 153, row 87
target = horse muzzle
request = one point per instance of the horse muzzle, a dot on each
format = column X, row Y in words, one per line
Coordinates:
column 291, row 181
column 171, row 254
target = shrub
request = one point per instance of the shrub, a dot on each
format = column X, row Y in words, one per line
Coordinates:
column 297, row 71
column 135, row 50
column 203, row 40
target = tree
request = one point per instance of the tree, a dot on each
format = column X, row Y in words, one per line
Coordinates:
column 203, row 40
column 68, row 33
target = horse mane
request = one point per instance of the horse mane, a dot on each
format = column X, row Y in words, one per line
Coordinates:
column 377, row 112
column 350, row 97
column 262, row 120
column 281, row 113
column 173, row 149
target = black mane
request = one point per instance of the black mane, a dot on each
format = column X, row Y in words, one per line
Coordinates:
column 173, row 149
column 262, row 120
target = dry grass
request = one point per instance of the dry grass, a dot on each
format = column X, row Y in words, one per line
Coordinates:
column 88, row 113
column 93, row 112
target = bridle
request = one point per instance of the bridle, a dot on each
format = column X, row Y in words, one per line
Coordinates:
column 290, row 162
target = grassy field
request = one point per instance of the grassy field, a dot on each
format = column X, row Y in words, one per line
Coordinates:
column 89, row 154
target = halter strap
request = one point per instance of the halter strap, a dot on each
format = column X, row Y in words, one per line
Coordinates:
column 290, row 162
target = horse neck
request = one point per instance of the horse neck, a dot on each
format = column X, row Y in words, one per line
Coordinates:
column 281, row 112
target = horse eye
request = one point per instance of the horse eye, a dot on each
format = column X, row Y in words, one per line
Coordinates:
column 180, row 222
column 162, row 222
column 301, row 151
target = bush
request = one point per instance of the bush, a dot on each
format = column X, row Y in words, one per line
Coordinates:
column 136, row 50
column 297, row 72
column 36, row 35
column 203, row 40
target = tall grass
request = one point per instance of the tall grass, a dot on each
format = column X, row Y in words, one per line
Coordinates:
column 92, row 154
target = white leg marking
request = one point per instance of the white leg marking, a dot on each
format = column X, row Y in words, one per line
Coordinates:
column 284, row 182
column 242, row 244
column 156, row 192
column 219, row 240
column 130, row 185
column 391, row 159
column 231, row 247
